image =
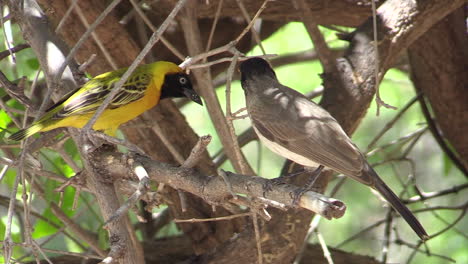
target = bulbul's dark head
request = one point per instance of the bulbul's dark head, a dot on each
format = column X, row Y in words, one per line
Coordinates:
column 255, row 67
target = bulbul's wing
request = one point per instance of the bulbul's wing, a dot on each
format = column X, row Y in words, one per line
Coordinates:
column 288, row 118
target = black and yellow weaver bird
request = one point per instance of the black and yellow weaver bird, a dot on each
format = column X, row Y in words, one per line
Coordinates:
column 296, row 128
column 144, row 88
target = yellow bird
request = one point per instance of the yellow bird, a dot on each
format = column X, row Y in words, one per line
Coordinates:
column 144, row 88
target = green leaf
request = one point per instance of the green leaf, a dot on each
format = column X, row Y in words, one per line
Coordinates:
column 5, row 120
column 103, row 238
column 45, row 228
column 447, row 163
column 33, row 63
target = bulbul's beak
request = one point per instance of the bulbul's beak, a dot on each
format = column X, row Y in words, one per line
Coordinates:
column 192, row 95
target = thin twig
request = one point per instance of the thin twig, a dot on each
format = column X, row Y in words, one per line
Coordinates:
column 258, row 238
column 417, row 250
column 387, row 234
column 7, row 240
column 167, row 143
column 60, row 252
column 212, row 219
column 429, row 195
column 88, row 62
column 390, row 124
column 96, row 39
column 214, row 24
column 323, row 245
column 251, row 22
column 324, row 53
column 14, row 91
column 194, row 42
column 377, row 74
column 71, row 225
column 166, row 42
column 65, row 16
column 82, row 39
column 464, row 209
column 177, row 156
column 439, row 138
column 237, row 151
column 116, row 141
column 143, row 186
column 12, row 50
column 313, row 226
column 196, row 152
column 5, row 37
column 402, row 140
column 229, row 59
column 69, row 160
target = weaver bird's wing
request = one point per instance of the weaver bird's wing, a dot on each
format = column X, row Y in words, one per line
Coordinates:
column 87, row 99
column 288, row 118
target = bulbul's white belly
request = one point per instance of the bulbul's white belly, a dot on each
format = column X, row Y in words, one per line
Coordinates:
column 284, row 152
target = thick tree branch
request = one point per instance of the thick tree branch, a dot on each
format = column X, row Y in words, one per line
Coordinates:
column 345, row 13
column 439, row 60
column 124, row 248
column 214, row 189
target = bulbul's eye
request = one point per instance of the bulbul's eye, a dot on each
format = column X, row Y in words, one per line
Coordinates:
column 182, row 80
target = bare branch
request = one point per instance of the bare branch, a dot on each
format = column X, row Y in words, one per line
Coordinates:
column 214, row 190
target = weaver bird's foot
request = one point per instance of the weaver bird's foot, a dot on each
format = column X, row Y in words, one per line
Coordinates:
column 94, row 140
column 90, row 142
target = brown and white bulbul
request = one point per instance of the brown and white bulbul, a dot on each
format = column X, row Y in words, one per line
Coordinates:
column 296, row 128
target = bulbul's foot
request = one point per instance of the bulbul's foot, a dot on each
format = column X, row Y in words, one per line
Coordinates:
column 282, row 179
column 297, row 194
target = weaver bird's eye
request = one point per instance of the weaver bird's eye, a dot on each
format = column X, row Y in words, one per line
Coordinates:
column 182, row 80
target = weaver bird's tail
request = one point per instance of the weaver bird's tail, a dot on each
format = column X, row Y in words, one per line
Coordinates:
column 26, row 132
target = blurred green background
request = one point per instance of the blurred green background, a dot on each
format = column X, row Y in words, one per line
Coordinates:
column 433, row 171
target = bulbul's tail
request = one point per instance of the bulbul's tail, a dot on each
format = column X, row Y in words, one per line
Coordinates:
column 391, row 197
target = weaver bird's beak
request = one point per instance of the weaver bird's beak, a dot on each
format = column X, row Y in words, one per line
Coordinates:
column 192, row 95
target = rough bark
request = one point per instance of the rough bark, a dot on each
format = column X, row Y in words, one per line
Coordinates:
column 178, row 249
column 439, row 63
column 345, row 13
